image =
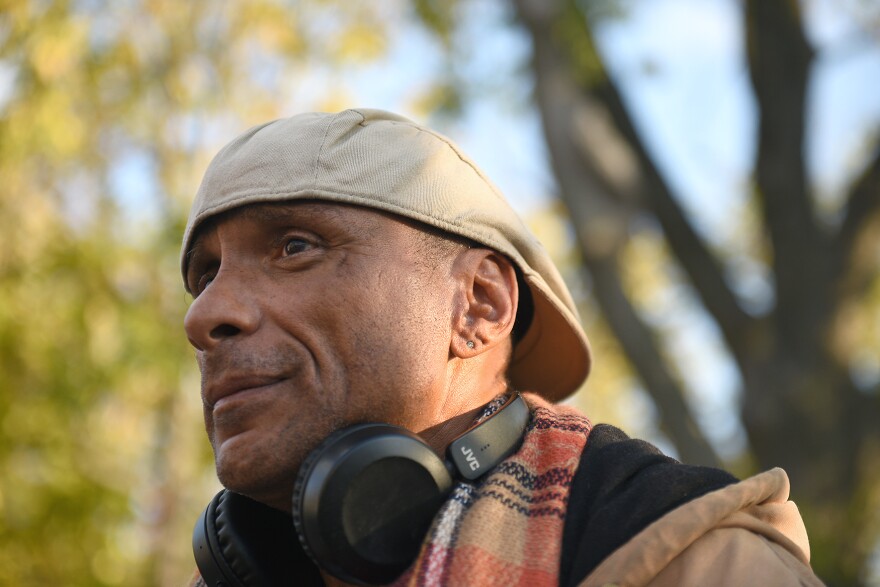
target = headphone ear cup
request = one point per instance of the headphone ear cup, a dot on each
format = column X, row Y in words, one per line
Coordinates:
column 364, row 499
column 239, row 542
column 207, row 548
column 305, row 471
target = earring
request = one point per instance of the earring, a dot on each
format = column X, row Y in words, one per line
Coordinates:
column 470, row 344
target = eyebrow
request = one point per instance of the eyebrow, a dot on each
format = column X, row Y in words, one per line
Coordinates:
column 281, row 211
column 265, row 213
column 271, row 212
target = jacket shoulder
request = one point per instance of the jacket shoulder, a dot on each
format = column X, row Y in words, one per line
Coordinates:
column 745, row 533
column 621, row 486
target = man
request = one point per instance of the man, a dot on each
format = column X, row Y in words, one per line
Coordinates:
column 355, row 267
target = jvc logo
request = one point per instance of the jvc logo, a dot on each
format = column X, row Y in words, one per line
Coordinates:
column 470, row 458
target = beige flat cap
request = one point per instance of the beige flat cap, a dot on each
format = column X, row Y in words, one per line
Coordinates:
column 381, row 160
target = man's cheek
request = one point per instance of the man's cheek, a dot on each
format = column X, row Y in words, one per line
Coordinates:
column 200, row 361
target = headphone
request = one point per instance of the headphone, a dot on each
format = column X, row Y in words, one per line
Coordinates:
column 363, row 501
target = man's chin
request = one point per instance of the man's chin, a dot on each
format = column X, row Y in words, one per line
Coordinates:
column 260, row 475
column 274, row 493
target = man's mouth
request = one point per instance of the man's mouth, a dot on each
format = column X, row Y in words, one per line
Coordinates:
column 222, row 391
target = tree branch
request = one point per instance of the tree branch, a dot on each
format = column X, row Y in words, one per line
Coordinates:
column 779, row 63
column 688, row 247
column 864, row 201
column 600, row 218
column 862, row 207
column 639, row 344
column 560, row 34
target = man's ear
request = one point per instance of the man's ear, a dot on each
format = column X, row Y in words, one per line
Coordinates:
column 487, row 309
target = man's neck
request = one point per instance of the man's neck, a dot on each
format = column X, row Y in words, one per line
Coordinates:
column 439, row 436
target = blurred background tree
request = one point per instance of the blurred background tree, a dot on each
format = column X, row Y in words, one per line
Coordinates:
column 802, row 407
column 110, row 111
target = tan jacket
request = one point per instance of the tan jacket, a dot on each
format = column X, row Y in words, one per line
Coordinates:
column 744, row 534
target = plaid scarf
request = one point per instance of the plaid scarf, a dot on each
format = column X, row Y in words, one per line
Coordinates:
column 506, row 529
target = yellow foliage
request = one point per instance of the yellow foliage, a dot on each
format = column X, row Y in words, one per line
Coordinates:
column 438, row 97
column 359, row 43
column 56, row 50
column 101, row 432
column 105, row 342
column 108, row 566
column 645, row 268
column 334, row 101
column 274, row 27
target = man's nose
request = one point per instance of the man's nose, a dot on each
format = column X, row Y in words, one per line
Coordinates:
column 226, row 308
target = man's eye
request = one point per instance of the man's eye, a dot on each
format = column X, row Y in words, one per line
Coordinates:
column 296, row 245
column 204, row 281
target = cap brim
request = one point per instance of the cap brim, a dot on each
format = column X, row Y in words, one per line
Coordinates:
column 550, row 346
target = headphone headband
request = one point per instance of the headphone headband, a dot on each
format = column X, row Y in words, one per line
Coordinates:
column 483, row 446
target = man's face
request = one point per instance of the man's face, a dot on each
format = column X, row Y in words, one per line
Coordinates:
column 308, row 317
